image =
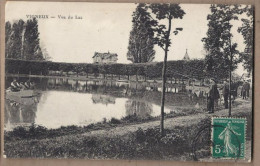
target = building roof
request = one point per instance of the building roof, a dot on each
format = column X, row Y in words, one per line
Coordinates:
column 104, row 55
column 186, row 56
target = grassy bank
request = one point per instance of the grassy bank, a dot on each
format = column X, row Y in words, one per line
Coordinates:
column 141, row 144
column 40, row 132
column 123, row 139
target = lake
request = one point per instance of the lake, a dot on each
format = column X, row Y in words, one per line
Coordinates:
column 65, row 102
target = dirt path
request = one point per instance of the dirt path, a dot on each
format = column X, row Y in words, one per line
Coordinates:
column 60, row 145
column 173, row 122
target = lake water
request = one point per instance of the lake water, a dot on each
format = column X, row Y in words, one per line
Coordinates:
column 64, row 102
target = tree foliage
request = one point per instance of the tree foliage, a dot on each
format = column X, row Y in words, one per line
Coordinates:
column 166, row 12
column 221, row 52
column 32, row 49
column 8, row 45
column 14, row 39
column 22, row 40
column 248, row 32
column 141, row 45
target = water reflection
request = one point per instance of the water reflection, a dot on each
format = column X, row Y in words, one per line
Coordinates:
column 103, row 99
column 20, row 113
column 138, row 108
column 63, row 102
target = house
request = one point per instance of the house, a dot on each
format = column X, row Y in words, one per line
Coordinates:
column 186, row 56
column 105, row 57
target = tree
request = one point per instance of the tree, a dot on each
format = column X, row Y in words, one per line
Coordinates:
column 14, row 41
column 141, row 45
column 45, row 52
column 247, row 31
column 218, row 43
column 32, row 49
column 165, row 12
column 8, row 44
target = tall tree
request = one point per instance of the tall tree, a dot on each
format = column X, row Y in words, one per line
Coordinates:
column 218, row 43
column 14, row 43
column 247, row 31
column 31, row 45
column 166, row 12
column 8, row 43
column 141, row 45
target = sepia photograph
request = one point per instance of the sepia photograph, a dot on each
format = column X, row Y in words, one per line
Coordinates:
column 129, row 81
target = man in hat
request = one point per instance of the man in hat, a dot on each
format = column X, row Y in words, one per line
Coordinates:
column 225, row 92
column 213, row 96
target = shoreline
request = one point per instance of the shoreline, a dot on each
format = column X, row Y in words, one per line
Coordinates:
column 118, row 138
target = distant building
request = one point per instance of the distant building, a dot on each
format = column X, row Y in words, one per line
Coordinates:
column 186, row 56
column 105, row 57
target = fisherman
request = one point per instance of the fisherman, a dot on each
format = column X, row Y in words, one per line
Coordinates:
column 225, row 92
column 15, row 87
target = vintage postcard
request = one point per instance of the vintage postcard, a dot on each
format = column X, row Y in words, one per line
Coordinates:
column 128, row 81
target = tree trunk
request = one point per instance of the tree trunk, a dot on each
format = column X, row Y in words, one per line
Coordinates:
column 164, row 77
column 230, row 79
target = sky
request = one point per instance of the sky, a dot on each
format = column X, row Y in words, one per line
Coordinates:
column 106, row 27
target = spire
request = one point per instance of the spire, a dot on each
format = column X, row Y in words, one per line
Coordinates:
column 186, row 56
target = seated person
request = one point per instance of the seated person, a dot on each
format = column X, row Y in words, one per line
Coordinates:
column 15, row 86
column 27, row 84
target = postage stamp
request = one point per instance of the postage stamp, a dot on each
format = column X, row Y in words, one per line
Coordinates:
column 228, row 137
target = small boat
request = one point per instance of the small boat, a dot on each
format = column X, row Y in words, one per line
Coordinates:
column 19, row 95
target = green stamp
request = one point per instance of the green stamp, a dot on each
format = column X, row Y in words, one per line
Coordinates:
column 228, row 137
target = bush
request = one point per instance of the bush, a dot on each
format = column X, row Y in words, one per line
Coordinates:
column 150, row 136
column 115, row 121
column 19, row 132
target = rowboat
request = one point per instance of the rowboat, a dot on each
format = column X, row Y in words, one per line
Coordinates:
column 20, row 96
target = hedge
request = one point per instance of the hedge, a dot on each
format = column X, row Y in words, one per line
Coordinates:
column 176, row 69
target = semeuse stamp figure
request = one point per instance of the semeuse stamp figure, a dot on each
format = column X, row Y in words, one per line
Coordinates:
column 228, row 137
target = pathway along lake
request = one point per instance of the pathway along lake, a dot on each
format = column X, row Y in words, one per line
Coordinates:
column 65, row 102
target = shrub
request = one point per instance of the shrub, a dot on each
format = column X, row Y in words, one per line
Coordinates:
column 19, row 132
column 115, row 121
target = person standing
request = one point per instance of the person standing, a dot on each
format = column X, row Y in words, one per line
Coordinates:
column 225, row 92
column 247, row 88
column 243, row 90
column 213, row 96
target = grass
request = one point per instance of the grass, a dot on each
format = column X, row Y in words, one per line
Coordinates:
column 141, row 144
column 40, row 132
column 179, row 142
